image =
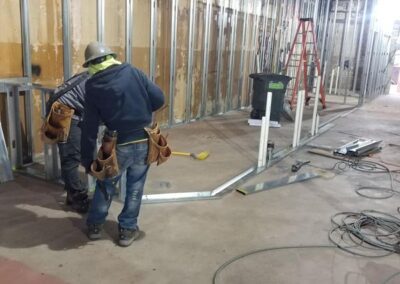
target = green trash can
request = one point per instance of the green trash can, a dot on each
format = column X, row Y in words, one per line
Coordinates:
column 262, row 84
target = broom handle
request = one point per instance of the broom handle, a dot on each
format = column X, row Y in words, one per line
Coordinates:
column 181, row 153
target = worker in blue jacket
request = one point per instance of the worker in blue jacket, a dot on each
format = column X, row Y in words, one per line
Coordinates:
column 123, row 98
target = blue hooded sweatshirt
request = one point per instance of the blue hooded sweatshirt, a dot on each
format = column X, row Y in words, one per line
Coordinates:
column 123, row 98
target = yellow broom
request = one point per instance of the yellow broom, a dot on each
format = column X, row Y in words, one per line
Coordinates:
column 201, row 156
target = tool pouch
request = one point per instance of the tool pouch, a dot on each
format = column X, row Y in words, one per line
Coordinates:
column 106, row 163
column 55, row 128
column 159, row 150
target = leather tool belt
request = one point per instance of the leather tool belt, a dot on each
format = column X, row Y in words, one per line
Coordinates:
column 159, row 150
column 55, row 129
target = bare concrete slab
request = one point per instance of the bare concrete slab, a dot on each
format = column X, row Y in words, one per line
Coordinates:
column 187, row 242
column 233, row 147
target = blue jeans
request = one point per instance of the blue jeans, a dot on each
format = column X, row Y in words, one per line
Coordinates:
column 133, row 159
column 70, row 157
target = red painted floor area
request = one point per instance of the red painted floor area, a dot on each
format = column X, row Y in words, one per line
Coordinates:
column 13, row 272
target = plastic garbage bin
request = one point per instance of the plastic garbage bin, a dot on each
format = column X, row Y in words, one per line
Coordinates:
column 262, row 84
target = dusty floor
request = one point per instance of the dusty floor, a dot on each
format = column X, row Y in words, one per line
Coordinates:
column 42, row 242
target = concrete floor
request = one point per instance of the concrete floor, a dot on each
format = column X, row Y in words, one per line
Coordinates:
column 232, row 144
column 42, row 242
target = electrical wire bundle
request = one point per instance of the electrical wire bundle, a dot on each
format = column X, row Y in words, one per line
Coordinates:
column 376, row 231
column 375, row 168
column 369, row 167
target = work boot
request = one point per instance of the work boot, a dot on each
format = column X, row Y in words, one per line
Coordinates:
column 94, row 231
column 79, row 201
column 127, row 236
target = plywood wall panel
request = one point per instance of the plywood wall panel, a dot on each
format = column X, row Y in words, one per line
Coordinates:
column 162, row 76
column 198, row 54
column 10, row 39
column 83, row 30
column 45, row 29
column 141, row 35
column 236, row 60
column 212, row 59
column 46, row 48
column 226, row 52
column 182, row 48
column 248, row 60
column 114, row 22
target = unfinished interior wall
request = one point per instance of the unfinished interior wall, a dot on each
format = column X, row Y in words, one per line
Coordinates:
column 198, row 53
column 114, row 26
column 162, row 73
column 45, row 29
column 237, row 55
column 225, row 56
column 182, row 49
column 212, row 58
column 83, row 30
column 141, row 35
column 46, row 50
column 10, row 40
column 10, row 51
column 345, row 27
column 248, row 63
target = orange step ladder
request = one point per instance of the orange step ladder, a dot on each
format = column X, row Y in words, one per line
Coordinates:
column 302, row 62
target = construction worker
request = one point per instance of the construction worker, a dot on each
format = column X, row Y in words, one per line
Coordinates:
column 71, row 95
column 123, row 98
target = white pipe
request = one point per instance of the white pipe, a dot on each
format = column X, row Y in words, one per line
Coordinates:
column 302, row 101
column 317, row 125
column 331, row 83
column 261, row 144
column 337, row 80
column 316, row 100
column 323, row 74
column 296, row 121
column 262, row 152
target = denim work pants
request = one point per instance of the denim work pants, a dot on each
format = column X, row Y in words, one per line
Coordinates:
column 70, row 157
column 133, row 159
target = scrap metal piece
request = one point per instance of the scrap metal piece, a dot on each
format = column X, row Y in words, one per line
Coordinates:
column 278, row 183
column 358, row 147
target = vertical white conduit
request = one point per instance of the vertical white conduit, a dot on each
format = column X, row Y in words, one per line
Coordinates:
column 262, row 152
column 297, row 123
column 301, row 103
column 316, row 100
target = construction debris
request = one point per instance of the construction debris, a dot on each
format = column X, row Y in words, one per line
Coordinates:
column 359, row 147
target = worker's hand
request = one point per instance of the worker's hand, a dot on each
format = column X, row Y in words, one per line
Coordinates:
column 87, row 168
